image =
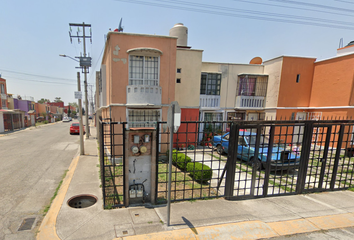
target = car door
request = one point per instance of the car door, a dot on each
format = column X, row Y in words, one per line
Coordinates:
column 242, row 148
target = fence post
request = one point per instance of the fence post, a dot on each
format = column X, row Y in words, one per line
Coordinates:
column 304, row 158
column 231, row 161
column 101, row 142
column 336, row 161
column 269, row 158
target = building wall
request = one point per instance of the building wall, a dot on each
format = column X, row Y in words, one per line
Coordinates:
column 10, row 103
column 291, row 92
column 273, row 68
column 41, row 108
column 229, row 79
column 190, row 63
column 333, row 82
column 23, row 105
column 2, row 126
column 116, row 60
column 3, row 82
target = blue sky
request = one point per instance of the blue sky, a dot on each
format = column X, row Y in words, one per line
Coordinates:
column 34, row 33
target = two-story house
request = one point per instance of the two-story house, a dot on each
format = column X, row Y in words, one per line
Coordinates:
column 137, row 78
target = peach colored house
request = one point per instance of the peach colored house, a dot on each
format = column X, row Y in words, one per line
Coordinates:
column 137, row 77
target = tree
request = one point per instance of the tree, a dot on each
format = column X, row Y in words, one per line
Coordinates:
column 58, row 99
column 43, row 100
column 74, row 104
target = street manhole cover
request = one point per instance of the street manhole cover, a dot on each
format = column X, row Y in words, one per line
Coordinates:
column 82, row 201
column 26, row 224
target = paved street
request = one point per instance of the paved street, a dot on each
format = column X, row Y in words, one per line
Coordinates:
column 32, row 163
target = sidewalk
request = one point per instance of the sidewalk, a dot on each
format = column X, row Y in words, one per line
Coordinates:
column 204, row 219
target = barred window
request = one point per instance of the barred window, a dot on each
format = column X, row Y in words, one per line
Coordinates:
column 143, row 70
column 210, row 84
column 143, row 118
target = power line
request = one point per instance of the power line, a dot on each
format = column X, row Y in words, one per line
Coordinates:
column 319, row 24
column 297, row 8
column 314, row 5
column 207, row 6
column 36, row 75
column 29, row 80
column 344, row 1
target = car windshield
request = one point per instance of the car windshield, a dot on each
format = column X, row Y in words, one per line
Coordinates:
column 251, row 139
column 76, row 124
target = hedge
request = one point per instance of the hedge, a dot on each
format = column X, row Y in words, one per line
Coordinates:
column 199, row 171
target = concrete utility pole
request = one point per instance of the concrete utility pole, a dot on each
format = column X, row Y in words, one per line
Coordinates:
column 82, row 149
column 83, row 64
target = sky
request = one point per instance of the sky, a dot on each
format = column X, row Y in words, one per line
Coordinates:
column 34, row 33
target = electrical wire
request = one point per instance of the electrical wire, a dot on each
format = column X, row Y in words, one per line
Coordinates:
column 258, row 12
column 319, row 24
column 314, row 5
column 344, row 1
column 297, row 8
column 37, row 75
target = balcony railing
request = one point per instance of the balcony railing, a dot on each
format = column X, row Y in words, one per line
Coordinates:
column 143, row 94
column 253, row 102
column 209, row 101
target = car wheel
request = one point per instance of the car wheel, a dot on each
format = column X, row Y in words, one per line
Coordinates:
column 219, row 150
column 256, row 163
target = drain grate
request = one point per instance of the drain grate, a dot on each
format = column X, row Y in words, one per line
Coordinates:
column 26, row 224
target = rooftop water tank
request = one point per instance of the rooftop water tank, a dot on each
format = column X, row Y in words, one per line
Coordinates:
column 180, row 31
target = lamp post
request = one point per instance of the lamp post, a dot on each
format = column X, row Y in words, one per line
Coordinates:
column 85, row 63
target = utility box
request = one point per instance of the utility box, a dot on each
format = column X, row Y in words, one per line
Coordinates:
column 140, row 166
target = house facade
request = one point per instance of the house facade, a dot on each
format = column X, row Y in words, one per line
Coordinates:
column 137, row 78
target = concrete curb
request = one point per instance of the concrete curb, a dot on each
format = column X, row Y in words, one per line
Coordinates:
column 47, row 230
column 253, row 229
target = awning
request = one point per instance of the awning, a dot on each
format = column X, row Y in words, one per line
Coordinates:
column 6, row 111
column 31, row 111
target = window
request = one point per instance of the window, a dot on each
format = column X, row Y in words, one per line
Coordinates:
column 179, row 70
column 143, row 118
column 2, row 88
column 143, row 70
column 298, row 78
column 210, row 84
column 213, row 117
column 3, row 103
column 252, row 85
column 178, row 80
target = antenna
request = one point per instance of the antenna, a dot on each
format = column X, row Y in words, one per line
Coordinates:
column 340, row 43
column 120, row 28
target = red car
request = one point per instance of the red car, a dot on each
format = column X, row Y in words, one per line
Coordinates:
column 75, row 128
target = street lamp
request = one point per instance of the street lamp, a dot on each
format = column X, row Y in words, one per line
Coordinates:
column 85, row 63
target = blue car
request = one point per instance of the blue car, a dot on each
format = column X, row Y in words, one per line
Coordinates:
column 280, row 159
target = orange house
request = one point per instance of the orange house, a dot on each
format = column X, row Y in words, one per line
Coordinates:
column 137, row 78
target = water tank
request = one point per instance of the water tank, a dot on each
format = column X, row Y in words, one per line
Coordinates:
column 180, row 31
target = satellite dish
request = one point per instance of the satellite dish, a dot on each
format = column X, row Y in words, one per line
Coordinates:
column 256, row 60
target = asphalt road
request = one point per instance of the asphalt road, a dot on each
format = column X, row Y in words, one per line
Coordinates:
column 32, row 164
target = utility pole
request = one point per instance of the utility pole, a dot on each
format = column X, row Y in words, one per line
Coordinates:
column 83, row 63
column 82, row 151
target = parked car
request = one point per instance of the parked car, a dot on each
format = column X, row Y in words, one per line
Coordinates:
column 75, row 128
column 280, row 158
column 70, row 119
column 40, row 119
column 90, row 117
column 65, row 119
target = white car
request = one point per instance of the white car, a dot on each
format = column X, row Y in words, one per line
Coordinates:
column 66, row 119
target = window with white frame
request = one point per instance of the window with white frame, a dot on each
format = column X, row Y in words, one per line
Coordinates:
column 213, row 117
column 3, row 103
column 143, row 70
column 143, row 117
column 2, row 88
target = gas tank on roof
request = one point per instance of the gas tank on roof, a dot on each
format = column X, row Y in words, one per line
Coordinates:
column 181, row 32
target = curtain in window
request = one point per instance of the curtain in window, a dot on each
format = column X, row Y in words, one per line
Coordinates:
column 247, row 86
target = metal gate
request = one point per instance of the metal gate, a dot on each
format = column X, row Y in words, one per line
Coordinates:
column 264, row 158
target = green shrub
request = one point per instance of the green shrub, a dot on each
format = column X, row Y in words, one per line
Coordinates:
column 182, row 161
column 199, row 171
column 45, row 121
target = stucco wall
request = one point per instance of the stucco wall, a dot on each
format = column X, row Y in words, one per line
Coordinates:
column 292, row 93
column 333, row 82
column 229, row 79
column 273, row 69
column 190, row 63
column 116, row 60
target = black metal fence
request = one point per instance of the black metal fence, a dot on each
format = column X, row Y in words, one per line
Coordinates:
column 237, row 160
